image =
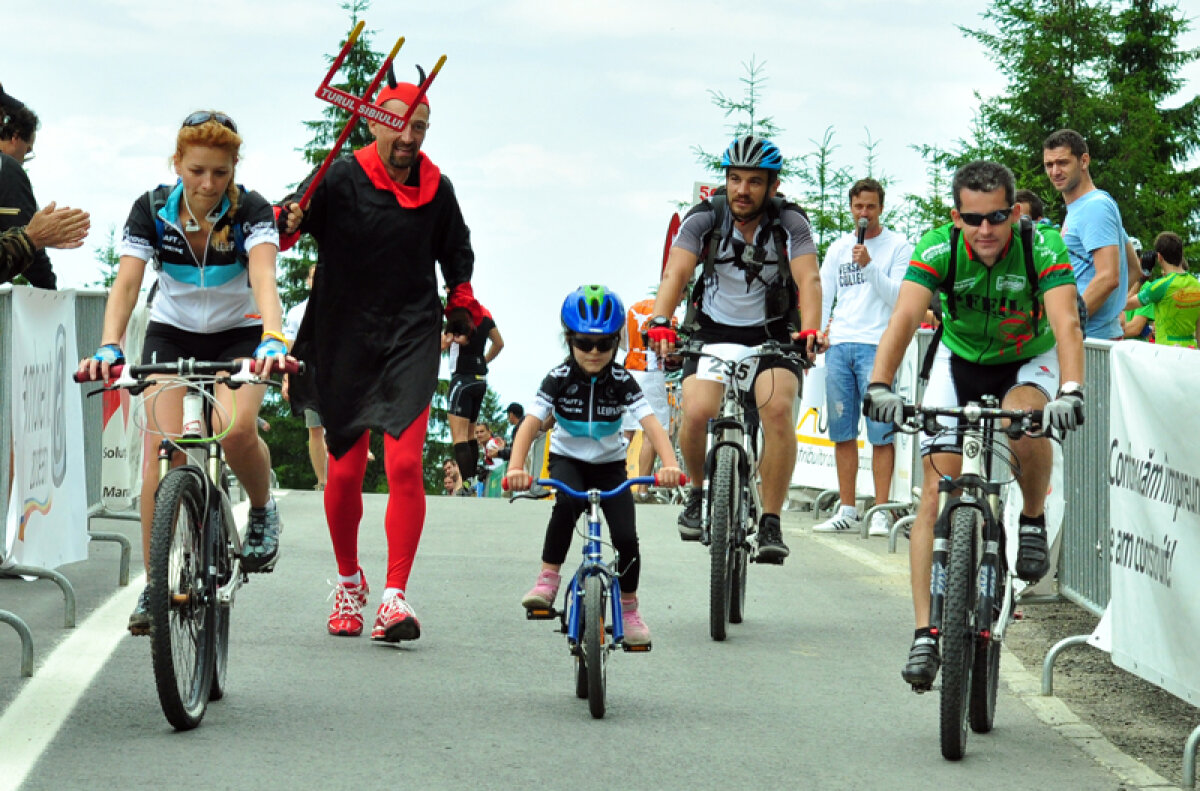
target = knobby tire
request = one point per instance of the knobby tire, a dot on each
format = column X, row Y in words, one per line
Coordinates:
column 723, row 522
column 182, row 609
column 958, row 633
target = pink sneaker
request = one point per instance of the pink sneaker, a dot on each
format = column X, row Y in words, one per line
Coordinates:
column 543, row 594
column 396, row 621
column 636, row 631
column 348, row 602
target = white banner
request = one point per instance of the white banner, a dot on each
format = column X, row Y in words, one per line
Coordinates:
column 1153, row 470
column 816, row 466
column 47, row 511
column 121, row 441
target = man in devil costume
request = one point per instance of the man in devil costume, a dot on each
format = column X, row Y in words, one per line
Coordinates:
column 381, row 218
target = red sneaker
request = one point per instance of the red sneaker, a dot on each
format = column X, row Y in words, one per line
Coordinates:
column 348, row 602
column 396, row 621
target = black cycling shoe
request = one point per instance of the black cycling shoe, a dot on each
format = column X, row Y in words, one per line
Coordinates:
column 923, row 662
column 771, row 548
column 689, row 520
column 261, row 550
column 1033, row 557
column 139, row 619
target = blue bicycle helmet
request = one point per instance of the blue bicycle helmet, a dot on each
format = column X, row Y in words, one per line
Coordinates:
column 593, row 310
column 752, row 152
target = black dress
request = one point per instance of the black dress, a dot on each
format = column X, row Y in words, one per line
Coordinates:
column 372, row 329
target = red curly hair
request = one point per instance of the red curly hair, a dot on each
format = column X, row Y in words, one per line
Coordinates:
column 213, row 134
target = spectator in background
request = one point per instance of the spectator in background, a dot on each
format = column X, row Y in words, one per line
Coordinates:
column 51, row 227
column 464, row 342
column 452, row 480
column 483, row 435
column 643, row 365
column 18, row 132
column 860, row 281
column 1093, row 233
column 318, row 455
column 1175, row 296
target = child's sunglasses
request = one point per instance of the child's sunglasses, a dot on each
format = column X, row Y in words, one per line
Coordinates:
column 585, row 344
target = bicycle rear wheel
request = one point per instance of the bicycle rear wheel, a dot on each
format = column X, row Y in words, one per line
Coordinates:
column 741, row 563
column 595, row 651
column 958, row 632
column 182, row 606
column 722, row 528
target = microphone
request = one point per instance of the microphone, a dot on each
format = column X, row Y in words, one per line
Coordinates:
column 862, row 229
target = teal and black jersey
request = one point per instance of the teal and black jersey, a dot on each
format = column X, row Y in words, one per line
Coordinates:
column 588, row 409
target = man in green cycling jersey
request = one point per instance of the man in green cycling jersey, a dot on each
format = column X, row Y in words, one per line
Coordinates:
column 998, row 339
column 1175, row 296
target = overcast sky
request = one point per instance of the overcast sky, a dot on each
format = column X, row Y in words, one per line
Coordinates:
column 566, row 126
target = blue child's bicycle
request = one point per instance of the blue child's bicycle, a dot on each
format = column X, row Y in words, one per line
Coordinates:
column 591, row 616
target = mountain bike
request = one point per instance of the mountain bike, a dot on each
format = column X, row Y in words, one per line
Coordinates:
column 731, row 503
column 195, row 567
column 591, row 613
column 971, row 588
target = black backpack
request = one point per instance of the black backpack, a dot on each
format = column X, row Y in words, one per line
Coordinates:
column 783, row 295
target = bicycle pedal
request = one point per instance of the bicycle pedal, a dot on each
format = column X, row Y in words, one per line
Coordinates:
column 769, row 561
column 541, row 614
column 635, row 649
column 921, row 689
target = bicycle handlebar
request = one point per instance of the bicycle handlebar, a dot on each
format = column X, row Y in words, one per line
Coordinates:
column 244, row 371
column 1024, row 420
column 797, row 351
column 578, row 495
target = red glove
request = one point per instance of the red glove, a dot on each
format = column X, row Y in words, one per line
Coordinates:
column 463, row 297
column 659, row 334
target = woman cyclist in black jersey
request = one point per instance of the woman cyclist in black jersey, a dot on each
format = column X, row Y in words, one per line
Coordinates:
column 586, row 397
column 468, row 382
column 213, row 245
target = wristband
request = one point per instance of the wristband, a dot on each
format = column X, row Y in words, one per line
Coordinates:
column 806, row 334
column 272, row 334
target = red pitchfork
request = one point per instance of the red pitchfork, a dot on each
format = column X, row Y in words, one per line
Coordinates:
column 362, row 107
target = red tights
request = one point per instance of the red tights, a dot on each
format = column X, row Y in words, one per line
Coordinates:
column 406, row 501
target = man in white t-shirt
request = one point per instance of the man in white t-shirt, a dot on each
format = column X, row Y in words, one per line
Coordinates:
column 860, row 281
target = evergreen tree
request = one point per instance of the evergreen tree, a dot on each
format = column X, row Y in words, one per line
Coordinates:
column 108, row 259
column 356, row 73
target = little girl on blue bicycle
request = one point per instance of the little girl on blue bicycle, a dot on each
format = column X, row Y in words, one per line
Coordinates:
column 586, row 396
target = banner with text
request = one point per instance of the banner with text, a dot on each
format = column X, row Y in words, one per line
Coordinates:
column 816, row 465
column 47, row 511
column 1153, row 470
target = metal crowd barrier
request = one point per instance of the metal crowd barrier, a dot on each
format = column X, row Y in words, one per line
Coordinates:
column 89, row 317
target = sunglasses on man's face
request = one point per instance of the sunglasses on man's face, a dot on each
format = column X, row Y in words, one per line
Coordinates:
column 975, row 219
column 204, row 116
column 584, row 344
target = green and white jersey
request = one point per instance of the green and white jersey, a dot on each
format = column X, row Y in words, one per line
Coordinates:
column 1176, row 301
column 993, row 313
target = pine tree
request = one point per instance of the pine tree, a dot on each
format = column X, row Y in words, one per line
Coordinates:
column 356, row 73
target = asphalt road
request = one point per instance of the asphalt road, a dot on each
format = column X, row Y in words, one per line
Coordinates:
column 805, row 694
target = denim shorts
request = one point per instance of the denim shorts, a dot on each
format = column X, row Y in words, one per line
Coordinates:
column 847, row 374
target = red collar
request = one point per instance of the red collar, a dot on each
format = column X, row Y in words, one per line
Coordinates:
column 408, row 197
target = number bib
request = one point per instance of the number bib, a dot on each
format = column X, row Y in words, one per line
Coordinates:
column 714, row 367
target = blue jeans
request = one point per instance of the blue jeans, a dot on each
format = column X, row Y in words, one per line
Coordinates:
column 847, row 374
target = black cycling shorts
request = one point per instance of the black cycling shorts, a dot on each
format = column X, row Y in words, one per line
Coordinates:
column 466, row 396
column 709, row 331
column 166, row 343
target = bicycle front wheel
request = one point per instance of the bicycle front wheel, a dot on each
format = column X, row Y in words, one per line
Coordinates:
column 741, row 563
column 958, row 632
column 595, row 650
column 182, row 610
column 725, row 490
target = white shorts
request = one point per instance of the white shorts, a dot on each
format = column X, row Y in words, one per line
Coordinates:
column 654, row 387
column 973, row 381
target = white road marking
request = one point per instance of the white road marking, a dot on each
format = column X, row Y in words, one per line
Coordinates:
column 33, row 719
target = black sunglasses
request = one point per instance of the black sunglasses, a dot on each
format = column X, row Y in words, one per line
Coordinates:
column 204, row 116
column 975, row 220
column 584, row 344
